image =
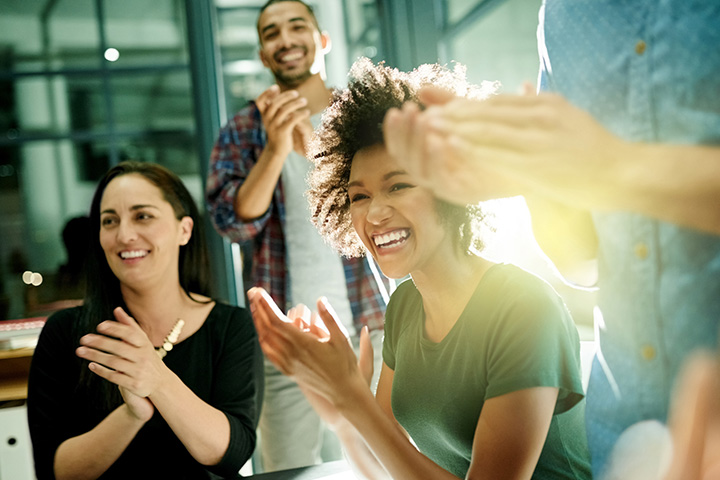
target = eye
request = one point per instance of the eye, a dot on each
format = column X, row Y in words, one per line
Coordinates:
column 143, row 216
column 401, row 186
column 108, row 221
column 356, row 197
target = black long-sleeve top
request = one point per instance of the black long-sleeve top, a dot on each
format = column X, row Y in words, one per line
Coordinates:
column 221, row 363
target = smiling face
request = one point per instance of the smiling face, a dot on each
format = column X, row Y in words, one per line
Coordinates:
column 139, row 232
column 290, row 42
column 395, row 219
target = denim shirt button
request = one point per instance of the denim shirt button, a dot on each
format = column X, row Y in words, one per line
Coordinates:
column 648, row 352
column 641, row 251
column 640, row 47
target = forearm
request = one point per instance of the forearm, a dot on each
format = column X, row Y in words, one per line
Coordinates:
column 256, row 192
column 675, row 183
column 397, row 455
column 203, row 429
column 361, row 459
column 89, row 455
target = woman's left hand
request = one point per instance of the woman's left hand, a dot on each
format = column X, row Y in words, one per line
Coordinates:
column 323, row 363
column 122, row 353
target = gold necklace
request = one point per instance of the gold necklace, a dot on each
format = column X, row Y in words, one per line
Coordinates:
column 171, row 338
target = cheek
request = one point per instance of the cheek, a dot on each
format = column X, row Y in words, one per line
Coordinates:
column 105, row 241
column 357, row 218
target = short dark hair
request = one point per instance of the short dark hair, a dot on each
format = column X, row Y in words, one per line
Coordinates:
column 103, row 294
column 272, row 2
column 354, row 121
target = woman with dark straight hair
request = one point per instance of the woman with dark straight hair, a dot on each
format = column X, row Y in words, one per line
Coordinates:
column 151, row 376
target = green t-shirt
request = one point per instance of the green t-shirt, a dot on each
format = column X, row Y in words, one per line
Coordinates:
column 514, row 333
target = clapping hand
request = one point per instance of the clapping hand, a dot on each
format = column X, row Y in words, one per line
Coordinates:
column 313, row 349
column 286, row 119
column 122, row 353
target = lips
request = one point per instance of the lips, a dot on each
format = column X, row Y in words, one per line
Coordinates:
column 391, row 239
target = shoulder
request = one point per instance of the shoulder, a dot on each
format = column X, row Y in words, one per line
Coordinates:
column 64, row 320
column 404, row 293
column 224, row 318
column 515, row 285
column 248, row 118
column 403, row 303
column 522, row 300
column 61, row 328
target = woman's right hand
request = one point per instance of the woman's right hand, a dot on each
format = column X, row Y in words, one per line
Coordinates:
column 122, row 353
column 327, row 366
column 139, row 407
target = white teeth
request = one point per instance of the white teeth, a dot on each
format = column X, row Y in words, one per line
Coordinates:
column 133, row 254
column 393, row 237
column 292, row 57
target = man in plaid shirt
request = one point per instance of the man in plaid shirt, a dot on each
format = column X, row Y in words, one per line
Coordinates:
column 255, row 191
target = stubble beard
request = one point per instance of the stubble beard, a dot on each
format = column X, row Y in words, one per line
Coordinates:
column 291, row 80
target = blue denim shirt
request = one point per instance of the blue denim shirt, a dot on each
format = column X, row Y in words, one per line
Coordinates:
column 649, row 71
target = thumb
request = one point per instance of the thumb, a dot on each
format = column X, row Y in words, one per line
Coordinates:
column 329, row 318
column 365, row 362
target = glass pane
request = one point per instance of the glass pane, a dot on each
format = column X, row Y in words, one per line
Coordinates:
column 159, row 100
column 457, row 9
column 244, row 76
column 51, row 105
column 507, row 38
column 40, row 190
column 144, row 33
column 363, row 30
column 176, row 150
column 65, row 36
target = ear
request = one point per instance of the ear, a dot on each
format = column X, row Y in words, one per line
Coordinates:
column 186, row 226
column 325, row 42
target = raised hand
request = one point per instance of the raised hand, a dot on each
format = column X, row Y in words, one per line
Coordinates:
column 470, row 150
column 327, row 366
column 122, row 353
column 286, row 120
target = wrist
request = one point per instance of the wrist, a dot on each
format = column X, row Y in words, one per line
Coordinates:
column 132, row 417
column 353, row 396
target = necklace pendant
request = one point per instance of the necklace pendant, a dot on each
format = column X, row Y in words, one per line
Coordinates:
column 171, row 338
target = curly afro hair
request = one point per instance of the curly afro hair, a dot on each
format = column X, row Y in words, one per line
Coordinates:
column 354, row 121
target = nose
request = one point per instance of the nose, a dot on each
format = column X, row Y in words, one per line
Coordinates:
column 126, row 233
column 284, row 37
column 378, row 211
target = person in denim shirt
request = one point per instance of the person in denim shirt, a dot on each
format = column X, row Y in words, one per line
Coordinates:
column 627, row 126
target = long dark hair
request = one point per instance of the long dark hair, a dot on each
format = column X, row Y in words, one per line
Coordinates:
column 103, row 294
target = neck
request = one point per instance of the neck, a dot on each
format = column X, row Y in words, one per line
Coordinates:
column 156, row 310
column 315, row 91
column 447, row 287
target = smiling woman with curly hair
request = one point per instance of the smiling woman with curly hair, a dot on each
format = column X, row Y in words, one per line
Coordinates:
column 354, row 121
column 481, row 369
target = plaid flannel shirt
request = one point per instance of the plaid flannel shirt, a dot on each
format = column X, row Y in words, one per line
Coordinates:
column 239, row 145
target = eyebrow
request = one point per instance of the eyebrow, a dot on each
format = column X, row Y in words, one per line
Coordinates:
column 274, row 25
column 134, row 207
column 387, row 176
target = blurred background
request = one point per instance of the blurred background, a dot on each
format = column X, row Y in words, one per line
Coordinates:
column 85, row 84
